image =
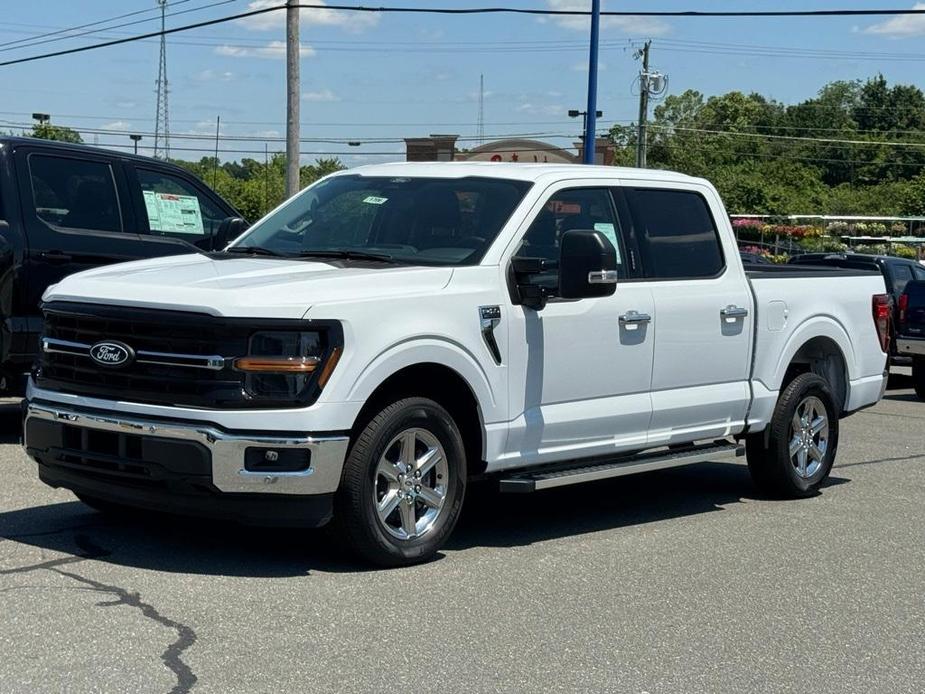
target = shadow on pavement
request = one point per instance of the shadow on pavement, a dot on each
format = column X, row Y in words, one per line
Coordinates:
column 182, row 545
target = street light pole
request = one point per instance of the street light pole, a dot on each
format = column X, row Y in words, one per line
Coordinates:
column 135, row 139
column 591, row 118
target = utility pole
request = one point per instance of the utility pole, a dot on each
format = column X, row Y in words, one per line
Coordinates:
column 643, row 107
column 591, row 120
column 218, row 122
column 481, row 124
column 292, row 97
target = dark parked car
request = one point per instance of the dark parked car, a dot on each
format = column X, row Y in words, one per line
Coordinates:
column 897, row 272
column 753, row 258
column 910, row 338
column 66, row 208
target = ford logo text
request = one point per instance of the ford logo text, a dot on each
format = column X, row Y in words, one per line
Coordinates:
column 111, row 354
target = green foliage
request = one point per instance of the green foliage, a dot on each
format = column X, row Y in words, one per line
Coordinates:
column 742, row 143
column 47, row 131
column 255, row 187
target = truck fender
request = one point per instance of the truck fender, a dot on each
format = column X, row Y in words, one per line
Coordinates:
column 816, row 327
column 428, row 350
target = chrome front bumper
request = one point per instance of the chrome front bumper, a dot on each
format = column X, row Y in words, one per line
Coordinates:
column 227, row 449
column 915, row 347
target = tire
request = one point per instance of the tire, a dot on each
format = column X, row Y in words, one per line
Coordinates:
column 381, row 525
column 774, row 469
column 918, row 376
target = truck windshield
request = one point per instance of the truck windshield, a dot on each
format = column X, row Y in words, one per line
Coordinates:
column 426, row 221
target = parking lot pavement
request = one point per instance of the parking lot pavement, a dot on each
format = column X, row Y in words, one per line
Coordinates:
column 675, row 581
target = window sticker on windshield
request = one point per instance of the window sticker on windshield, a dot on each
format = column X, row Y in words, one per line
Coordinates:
column 608, row 231
column 373, row 200
column 176, row 213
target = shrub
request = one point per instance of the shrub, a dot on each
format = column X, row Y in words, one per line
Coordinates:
column 837, row 228
column 825, row 244
column 903, row 251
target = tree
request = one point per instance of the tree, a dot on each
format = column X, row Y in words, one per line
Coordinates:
column 47, row 131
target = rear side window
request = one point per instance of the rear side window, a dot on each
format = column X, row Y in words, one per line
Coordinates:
column 919, row 273
column 676, row 233
column 74, row 193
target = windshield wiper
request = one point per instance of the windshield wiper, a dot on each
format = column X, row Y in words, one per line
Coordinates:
column 254, row 250
column 347, row 255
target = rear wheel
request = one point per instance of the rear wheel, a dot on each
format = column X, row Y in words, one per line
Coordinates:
column 796, row 454
column 918, row 376
column 403, row 484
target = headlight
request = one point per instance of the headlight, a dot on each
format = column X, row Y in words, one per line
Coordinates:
column 285, row 365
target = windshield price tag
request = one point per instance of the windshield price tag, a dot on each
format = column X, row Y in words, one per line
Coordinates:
column 373, row 200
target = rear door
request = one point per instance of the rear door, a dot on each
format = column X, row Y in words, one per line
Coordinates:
column 76, row 213
column 703, row 312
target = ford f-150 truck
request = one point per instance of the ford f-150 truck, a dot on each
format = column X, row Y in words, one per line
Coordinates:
column 394, row 331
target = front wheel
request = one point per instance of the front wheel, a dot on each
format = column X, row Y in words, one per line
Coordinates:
column 795, row 455
column 403, row 484
column 918, row 376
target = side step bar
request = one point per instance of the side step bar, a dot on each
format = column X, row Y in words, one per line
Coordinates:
column 521, row 482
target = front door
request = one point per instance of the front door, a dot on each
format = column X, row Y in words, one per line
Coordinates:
column 703, row 313
column 579, row 370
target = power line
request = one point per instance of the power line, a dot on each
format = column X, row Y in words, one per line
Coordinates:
column 795, row 138
column 478, row 11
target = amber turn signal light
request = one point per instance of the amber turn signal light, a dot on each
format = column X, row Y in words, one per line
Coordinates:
column 280, row 365
column 329, row 367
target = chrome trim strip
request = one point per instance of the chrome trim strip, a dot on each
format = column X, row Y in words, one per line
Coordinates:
column 227, row 449
column 213, row 362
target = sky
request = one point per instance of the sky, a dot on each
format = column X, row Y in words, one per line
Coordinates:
column 373, row 76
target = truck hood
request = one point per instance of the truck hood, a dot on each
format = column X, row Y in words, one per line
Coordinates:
column 246, row 286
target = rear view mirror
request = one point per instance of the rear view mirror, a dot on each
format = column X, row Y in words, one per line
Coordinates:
column 230, row 229
column 587, row 265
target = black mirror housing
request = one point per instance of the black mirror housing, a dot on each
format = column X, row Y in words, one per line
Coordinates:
column 587, row 265
column 230, row 229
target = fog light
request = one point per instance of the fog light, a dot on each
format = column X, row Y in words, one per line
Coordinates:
column 277, row 460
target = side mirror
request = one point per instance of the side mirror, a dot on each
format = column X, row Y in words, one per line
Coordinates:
column 230, row 229
column 587, row 265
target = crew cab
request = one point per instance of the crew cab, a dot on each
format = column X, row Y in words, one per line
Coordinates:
column 394, row 331
column 910, row 329
column 67, row 207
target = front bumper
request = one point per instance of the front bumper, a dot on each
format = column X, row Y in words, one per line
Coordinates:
column 85, row 447
column 912, row 347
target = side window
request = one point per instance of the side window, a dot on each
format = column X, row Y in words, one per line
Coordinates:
column 74, row 193
column 177, row 208
column 919, row 272
column 676, row 232
column 902, row 273
column 575, row 208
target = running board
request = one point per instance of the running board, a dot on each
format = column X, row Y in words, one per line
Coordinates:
column 551, row 476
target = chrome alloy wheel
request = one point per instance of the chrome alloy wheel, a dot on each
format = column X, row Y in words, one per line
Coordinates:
column 411, row 484
column 809, row 440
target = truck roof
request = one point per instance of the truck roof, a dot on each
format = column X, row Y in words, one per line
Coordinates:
column 515, row 170
column 15, row 140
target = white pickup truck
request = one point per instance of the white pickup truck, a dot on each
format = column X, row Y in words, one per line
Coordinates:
column 394, row 331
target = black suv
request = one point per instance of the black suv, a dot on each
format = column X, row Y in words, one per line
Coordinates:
column 896, row 273
column 66, row 208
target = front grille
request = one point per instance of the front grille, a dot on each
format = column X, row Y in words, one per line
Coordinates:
column 153, row 331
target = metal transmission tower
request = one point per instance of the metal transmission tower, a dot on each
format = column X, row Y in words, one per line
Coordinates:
column 480, row 134
column 161, row 120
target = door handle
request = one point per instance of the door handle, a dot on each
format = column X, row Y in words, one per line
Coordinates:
column 56, row 257
column 733, row 312
column 634, row 318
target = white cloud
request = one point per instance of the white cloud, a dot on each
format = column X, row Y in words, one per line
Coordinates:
column 274, row 49
column 901, row 26
column 349, row 21
column 117, row 125
column 640, row 26
column 210, row 75
column 322, row 95
column 541, row 109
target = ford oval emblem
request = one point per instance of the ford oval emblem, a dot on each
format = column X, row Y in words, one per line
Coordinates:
column 111, row 353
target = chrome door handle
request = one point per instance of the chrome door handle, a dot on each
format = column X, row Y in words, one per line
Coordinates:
column 634, row 317
column 602, row 277
column 732, row 311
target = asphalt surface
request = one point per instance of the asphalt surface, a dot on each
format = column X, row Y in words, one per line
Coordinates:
column 675, row 581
